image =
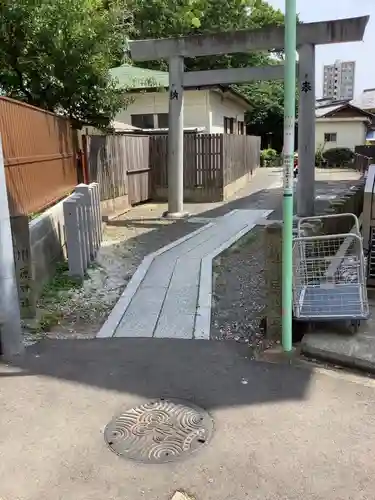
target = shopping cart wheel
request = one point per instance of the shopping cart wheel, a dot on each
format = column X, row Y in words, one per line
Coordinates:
column 354, row 325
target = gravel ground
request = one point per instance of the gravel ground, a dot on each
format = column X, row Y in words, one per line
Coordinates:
column 79, row 311
column 239, row 293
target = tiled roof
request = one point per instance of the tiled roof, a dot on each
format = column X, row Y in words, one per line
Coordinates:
column 366, row 100
column 322, row 111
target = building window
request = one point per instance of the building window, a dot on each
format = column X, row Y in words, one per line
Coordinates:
column 241, row 128
column 228, row 125
column 143, row 121
column 162, row 120
column 330, row 137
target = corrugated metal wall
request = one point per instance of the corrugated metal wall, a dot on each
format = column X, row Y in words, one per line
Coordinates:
column 40, row 160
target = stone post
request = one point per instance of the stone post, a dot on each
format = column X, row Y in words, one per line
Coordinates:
column 23, row 264
column 76, row 259
column 83, row 190
column 273, row 279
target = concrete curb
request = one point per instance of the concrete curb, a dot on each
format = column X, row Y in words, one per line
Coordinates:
column 344, row 357
column 202, row 324
column 109, row 327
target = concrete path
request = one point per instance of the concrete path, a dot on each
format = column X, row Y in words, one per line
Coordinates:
column 170, row 294
column 281, row 432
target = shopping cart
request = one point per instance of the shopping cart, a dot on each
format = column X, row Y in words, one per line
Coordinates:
column 329, row 276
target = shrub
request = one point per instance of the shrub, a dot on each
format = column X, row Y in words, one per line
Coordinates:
column 268, row 157
column 338, row 156
column 319, row 158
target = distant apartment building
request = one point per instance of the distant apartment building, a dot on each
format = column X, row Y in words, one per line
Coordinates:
column 338, row 80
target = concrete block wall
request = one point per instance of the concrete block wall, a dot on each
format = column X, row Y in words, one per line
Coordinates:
column 47, row 244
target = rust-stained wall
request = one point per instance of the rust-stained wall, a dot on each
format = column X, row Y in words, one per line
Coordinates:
column 40, row 161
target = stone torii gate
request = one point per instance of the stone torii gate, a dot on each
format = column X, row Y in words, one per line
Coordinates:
column 176, row 49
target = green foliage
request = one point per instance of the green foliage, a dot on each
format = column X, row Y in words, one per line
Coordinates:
column 319, row 158
column 268, row 157
column 165, row 18
column 338, row 156
column 56, row 54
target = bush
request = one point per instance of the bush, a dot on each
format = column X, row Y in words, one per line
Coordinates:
column 319, row 158
column 338, row 156
column 268, row 157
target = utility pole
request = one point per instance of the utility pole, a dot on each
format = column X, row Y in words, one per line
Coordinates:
column 10, row 320
column 289, row 123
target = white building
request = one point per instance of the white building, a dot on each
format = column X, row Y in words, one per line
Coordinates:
column 338, row 80
column 217, row 109
column 341, row 126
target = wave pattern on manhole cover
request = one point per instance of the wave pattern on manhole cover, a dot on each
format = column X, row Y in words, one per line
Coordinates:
column 159, row 431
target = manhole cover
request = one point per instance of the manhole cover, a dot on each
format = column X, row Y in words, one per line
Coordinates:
column 160, row 431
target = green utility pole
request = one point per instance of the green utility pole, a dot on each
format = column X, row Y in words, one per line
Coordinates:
column 289, row 121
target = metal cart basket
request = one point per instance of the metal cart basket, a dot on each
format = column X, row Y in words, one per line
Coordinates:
column 329, row 277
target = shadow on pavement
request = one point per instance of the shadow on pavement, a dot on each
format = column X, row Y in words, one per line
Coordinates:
column 212, row 374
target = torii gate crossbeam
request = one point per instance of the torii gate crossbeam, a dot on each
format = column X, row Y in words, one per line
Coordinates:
column 175, row 49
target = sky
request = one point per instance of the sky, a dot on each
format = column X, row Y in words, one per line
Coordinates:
column 361, row 52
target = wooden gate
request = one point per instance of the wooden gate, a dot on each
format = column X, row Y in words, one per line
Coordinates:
column 120, row 164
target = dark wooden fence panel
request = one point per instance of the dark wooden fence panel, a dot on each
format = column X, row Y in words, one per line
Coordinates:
column 39, row 156
column 158, row 160
column 365, row 150
column 211, row 162
column 364, row 157
column 203, row 170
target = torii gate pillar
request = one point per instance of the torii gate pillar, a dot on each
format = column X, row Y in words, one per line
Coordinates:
column 176, row 138
column 306, row 132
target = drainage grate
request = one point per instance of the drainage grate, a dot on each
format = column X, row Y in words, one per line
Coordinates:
column 160, row 431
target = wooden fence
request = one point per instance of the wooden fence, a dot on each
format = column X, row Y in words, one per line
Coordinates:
column 135, row 167
column 39, row 154
column 215, row 165
column 241, row 156
column 121, row 166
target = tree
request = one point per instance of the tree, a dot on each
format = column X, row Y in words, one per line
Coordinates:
column 266, row 116
column 56, row 54
column 167, row 18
